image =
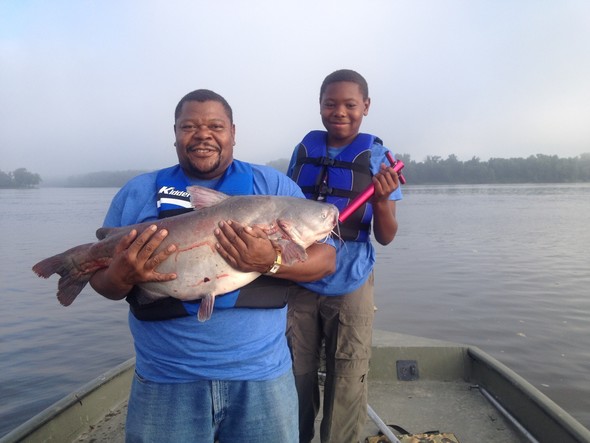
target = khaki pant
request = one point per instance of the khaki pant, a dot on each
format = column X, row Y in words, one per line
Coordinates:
column 344, row 323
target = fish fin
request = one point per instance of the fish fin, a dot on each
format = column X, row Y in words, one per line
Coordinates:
column 206, row 308
column 204, row 197
column 69, row 287
column 102, row 233
column 106, row 232
column 291, row 252
column 288, row 240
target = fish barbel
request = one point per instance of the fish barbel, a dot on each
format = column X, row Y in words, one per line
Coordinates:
column 291, row 223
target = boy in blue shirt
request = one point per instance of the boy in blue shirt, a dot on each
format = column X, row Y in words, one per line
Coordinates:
column 335, row 166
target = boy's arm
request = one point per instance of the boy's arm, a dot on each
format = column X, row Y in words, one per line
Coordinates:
column 386, row 181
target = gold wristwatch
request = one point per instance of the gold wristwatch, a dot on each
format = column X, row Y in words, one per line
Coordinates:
column 276, row 265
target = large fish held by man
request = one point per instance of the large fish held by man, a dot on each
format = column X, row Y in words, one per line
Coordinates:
column 291, row 223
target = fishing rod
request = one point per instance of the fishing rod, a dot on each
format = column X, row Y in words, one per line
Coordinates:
column 381, row 425
column 362, row 198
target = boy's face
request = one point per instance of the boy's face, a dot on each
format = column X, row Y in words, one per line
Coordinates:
column 342, row 108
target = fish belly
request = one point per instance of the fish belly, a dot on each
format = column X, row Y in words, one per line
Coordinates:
column 200, row 271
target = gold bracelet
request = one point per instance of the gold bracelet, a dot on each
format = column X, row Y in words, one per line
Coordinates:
column 276, row 265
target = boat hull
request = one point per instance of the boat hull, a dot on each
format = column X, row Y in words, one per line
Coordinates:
column 416, row 383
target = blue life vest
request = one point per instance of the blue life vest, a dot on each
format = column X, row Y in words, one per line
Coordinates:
column 171, row 183
column 337, row 180
column 173, row 199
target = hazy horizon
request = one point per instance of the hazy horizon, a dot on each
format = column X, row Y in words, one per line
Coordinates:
column 92, row 86
column 64, row 177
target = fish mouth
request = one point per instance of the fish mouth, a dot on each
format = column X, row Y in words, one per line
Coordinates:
column 335, row 233
column 333, row 230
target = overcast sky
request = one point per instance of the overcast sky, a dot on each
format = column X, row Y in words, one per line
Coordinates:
column 91, row 85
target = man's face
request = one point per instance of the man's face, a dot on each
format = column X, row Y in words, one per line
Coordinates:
column 342, row 108
column 205, row 139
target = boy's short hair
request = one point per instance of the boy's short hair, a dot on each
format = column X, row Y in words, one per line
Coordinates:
column 346, row 75
column 204, row 95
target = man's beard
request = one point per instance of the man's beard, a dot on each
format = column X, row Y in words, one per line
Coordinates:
column 198, row 171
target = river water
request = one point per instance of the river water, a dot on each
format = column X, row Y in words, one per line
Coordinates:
column 502, row 267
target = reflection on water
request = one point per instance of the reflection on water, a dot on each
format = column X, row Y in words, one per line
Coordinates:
column 504, row 268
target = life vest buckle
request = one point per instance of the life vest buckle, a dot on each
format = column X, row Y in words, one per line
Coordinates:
column 326, row 161
column 324, row 189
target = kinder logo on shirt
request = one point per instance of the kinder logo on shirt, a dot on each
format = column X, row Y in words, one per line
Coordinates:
column 171, row 190
column 169, row 195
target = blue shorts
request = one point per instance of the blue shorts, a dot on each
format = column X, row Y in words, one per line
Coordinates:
column 206, row 411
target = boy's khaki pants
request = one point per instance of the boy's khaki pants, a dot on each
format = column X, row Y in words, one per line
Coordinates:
column 344, row 324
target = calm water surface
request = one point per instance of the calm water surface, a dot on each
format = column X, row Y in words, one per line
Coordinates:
column 505, row 268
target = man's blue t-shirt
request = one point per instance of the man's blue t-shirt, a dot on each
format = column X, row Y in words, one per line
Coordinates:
column 235, row 344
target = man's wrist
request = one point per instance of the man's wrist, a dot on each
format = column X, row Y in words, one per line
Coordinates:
column 274, row 268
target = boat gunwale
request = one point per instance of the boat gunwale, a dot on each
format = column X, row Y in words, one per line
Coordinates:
column 503, row 383
column 65, row 404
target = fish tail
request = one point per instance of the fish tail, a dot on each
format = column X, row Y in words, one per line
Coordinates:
column 72, row 280
column 49, row 266
column 206, row 308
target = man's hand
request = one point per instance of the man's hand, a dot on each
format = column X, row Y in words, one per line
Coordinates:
column 245, row 248
column 134, row 261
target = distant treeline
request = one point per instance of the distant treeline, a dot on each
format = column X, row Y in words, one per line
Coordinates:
column 434, row 170
column 18, row 179
column 534, row 169
column 104, row 179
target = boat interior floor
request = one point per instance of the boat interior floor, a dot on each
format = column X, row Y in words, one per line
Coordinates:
column 418, row 407
column 436, row 406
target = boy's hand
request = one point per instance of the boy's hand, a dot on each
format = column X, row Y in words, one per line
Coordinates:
column 385, row 181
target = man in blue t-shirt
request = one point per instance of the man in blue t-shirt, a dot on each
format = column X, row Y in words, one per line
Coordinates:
column 228, row 379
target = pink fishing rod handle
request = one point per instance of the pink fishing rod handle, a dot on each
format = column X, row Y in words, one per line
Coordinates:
column 370, row 190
